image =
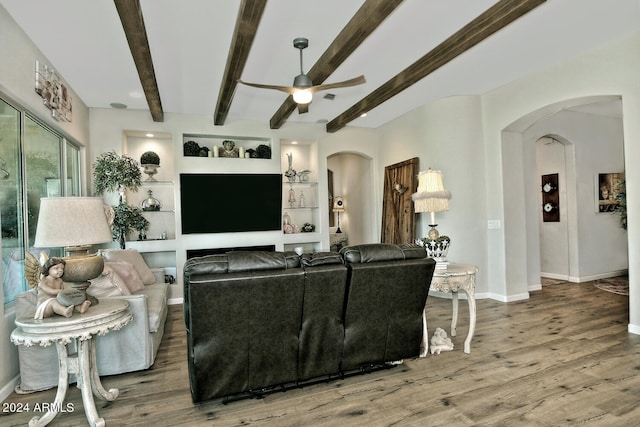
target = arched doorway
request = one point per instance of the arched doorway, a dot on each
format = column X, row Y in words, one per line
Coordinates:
column 352, row 179
column 596, row 246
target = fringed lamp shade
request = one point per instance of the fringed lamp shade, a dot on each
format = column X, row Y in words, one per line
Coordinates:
column 431, row 196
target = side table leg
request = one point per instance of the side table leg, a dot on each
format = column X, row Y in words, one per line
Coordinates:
column 454, row 316
column 86, row 379
column 63, row 385
column 424, row 346
column 96, row 385
column 472, row 321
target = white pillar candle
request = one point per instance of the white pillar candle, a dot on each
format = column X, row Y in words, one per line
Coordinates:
column 216, row 151
column 241, row 152
column 247, row 155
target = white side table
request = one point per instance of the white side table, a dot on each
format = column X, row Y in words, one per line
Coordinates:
column 456, row 277
column 109, row 314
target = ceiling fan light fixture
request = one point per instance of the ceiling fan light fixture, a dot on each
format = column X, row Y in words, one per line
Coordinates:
column 302, row 96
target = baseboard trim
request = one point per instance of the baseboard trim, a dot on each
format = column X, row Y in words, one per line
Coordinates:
column 633, row 329
column 174, row 301
column 6, row 391
column 582, row 279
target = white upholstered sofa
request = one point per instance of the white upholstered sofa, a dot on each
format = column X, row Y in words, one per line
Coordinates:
column 132, row 348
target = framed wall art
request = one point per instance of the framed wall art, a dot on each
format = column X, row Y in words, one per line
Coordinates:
column 607, row 188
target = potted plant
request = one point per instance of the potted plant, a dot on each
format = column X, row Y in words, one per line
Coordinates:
column 150, row 161
column 112, row 172
column 126, row 219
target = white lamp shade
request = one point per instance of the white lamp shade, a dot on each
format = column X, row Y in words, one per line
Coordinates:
column 72, row 221
column 431, row 195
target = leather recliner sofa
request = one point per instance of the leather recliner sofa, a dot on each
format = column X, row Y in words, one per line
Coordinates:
column 257, row 320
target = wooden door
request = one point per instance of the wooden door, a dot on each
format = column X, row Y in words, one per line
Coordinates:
column 398, row 214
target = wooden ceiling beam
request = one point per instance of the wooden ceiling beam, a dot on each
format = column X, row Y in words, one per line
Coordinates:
column 493, row 19
column 133, row 24
column 249, row 15
column 362, row 24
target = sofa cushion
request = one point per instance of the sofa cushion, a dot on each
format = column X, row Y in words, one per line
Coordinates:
column 240, row 261
column 128, row 273
column 210, row 264
column 321, row 258
column 108, row 284
column 135, row 258
column 156, row 303
column 372, row 252
column 412, row 251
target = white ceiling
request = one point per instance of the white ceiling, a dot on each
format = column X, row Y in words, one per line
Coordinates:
column 190, row 39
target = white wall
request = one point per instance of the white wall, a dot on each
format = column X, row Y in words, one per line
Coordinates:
column 554, row 236
column 447, row 135
column 17, row 77
column 352, row 181
column 611, row 70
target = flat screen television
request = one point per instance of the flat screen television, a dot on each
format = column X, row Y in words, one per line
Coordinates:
column 226, row 203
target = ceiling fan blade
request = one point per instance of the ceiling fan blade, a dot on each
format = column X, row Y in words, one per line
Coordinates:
column 303, row 108
column 351, row 82
column 286, row 89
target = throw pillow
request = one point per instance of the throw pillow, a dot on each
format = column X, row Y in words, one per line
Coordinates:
column 129, row 275
column 108, row 284
column 134, row 257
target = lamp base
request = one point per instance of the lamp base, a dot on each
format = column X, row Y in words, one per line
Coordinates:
column 433, row 232
column 80, row 267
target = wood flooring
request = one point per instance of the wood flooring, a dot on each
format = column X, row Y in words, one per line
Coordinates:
column 562, row 358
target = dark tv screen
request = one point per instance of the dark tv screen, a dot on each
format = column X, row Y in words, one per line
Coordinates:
column 226, row 203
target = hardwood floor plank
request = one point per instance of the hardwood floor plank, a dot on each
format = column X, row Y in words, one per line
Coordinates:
column 563, row 357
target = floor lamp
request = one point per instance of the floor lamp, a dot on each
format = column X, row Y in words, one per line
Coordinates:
column 338, row 206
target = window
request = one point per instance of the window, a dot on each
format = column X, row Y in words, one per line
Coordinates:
column 35, row 162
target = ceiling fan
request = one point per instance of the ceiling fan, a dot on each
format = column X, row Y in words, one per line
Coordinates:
column 303, row 88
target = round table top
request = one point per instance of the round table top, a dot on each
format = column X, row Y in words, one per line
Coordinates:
column 455, row 269
column 110, row 313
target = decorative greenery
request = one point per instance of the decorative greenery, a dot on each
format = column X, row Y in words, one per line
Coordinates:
column 149, row 158
column 621, row 207
column 263, row 151
column 111, row 171
column 425, row 240
column 191, row 148
column 127, row 218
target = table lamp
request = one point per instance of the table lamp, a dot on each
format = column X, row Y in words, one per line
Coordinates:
column 338, row 206
column 74, row 223
column 432, row 197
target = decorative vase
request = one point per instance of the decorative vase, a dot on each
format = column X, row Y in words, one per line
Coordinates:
column 150, row 170
column 304, row 175
column 150, row 203
column 437, row 249
column 290, row 173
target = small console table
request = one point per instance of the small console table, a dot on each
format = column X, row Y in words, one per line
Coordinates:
column 456, row 277
column 109, row 314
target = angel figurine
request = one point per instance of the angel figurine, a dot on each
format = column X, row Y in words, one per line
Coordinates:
column 53, row 298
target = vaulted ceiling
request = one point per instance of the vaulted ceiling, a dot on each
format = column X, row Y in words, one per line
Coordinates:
column 169, row 56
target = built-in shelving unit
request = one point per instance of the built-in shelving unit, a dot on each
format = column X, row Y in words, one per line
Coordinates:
column 300, row 203
column 159, row 248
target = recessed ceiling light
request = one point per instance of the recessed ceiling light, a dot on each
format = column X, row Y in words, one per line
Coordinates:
column 363, row 115
column 118, row 105
column 294, row 142
column 150, row 135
